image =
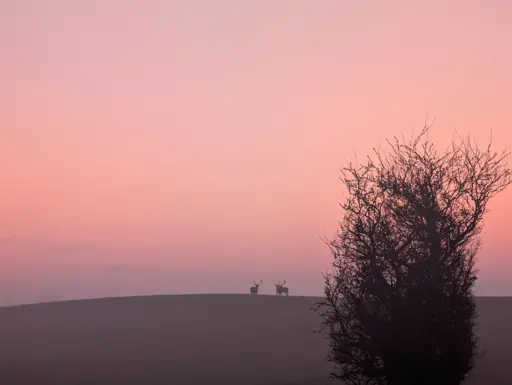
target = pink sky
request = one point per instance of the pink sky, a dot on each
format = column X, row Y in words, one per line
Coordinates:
column 193, row 146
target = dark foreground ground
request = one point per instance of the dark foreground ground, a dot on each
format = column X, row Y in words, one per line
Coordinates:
column 195, row 340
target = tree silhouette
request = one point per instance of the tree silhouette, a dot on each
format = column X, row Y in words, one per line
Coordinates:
column 399, row 307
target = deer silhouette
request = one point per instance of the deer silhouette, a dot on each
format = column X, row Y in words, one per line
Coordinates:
column 281, row 289
column 254, row 289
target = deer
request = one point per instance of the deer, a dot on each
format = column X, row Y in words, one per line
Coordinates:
column 254, row 289
column 281, row 289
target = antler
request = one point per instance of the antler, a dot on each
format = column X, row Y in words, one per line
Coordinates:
column 260, row 282
column 284, row 283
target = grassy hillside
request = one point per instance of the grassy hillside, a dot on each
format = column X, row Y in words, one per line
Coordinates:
column 194, row 339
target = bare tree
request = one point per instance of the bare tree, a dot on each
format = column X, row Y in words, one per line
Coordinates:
column 254, row 289
column 399, row 306
column 281, row 289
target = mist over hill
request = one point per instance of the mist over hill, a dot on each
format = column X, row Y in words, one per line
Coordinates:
column 195, row 339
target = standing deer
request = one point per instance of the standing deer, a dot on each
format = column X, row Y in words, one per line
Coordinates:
column 281, row 289
column 254, row 289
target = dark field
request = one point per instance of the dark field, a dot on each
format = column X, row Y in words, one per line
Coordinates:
column 196, row 340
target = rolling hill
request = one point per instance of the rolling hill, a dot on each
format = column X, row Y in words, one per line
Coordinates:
column 196, row 340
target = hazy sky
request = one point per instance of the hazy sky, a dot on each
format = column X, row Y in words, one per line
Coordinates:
column 193, row 146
